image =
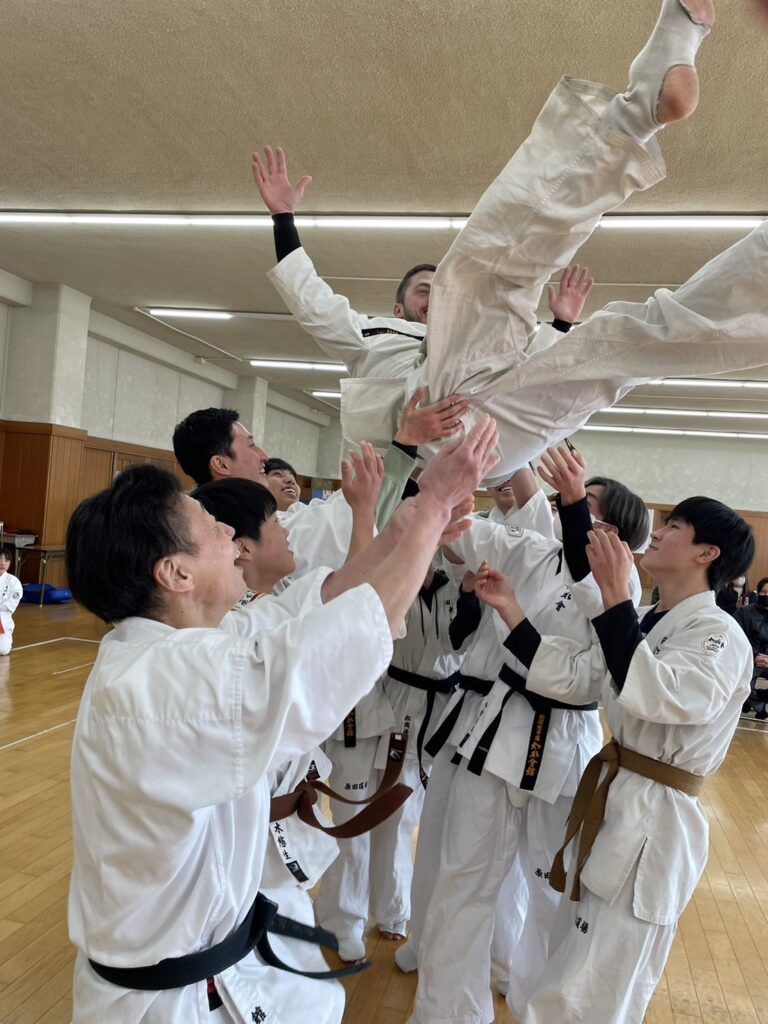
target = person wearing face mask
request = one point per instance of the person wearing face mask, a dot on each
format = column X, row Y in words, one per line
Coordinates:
column 753, row 619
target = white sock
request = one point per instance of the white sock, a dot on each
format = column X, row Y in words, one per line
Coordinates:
column 674, row 42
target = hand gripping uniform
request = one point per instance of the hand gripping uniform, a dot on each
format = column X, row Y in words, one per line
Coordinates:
column 672, row 689
column 175, row 735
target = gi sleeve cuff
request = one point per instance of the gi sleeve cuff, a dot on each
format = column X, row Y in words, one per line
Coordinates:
column 619, row 634
column 524, row 642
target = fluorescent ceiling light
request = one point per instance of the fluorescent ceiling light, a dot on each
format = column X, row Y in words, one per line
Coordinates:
column 659, row 411
column 677, row 433
column 292, row 364
column 690, row 382
column 681, row 223
column 193, row 314
column 371, row 222
column 326, row 394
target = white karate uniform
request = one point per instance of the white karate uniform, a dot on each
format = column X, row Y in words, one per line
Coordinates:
column 489, row 814
column 11, row 592
column 426, row 651
column 170, row 794
column 574, row 167
column 680, row 704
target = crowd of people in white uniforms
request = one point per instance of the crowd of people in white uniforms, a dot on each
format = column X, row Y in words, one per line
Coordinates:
column 410, row 661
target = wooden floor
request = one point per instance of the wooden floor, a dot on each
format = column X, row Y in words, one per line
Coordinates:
column 717, row 973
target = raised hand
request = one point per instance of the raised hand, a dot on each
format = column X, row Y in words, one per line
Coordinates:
column 567, row 300
column 361, row 478
column 421, row 424
column 564, row 470
column 454, row 474
column 271, row 177
column 610, row 561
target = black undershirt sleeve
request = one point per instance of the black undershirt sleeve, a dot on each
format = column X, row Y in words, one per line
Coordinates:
column 576, row 523
column 619, row 634
column 523, row 642
column 286, row 236
column 467, row 618
column 561, row 325
column 411, row 450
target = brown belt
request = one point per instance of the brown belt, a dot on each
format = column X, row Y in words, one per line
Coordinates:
column 388, row 798
column 588, row 810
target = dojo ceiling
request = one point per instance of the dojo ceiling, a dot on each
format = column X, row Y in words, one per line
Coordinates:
column 394, row 108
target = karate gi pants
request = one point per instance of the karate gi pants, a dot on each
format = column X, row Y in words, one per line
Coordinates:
column 341, row 905
column 607, row 966
column 483, row 823
column 373, row 871
column 6, row 643
column 574, row 167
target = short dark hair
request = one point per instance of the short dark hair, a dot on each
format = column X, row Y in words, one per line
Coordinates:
column 241, row 504
column 272, row 464
column 716, row 523
column 115, row 539
column 623, row 509
column 6, row 551
column 403, row 286
column 199, row 437
column 761, row 583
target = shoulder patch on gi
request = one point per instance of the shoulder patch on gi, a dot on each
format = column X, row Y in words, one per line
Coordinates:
column 715, row 643
column 514, row 531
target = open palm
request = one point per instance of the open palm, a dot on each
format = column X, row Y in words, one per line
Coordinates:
column 271, row 177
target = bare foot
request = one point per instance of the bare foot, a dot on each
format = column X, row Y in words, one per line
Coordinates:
column 395, row 936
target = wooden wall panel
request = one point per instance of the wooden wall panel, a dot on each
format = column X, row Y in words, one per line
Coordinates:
column 96, row 471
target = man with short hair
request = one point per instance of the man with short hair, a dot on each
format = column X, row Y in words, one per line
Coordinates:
column 672, row 679
column 180, row 721
column 213, row 443
column 282, row 482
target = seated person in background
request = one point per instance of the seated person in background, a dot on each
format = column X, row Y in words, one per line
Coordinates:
column 10, row 594
column 281, row 480
column 753, row 619
column 733, row 595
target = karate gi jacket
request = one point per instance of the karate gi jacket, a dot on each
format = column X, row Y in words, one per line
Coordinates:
column 383, row 355
column 11, row 592
column 536, row 568
column 680, row 704
column 175, row 735
column 425, row 650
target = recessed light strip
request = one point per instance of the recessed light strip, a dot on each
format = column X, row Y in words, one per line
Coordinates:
column 192, row 314
column 691, row 382
column 293, row 364
column 393, row 223
column 660, row 411
column 325, row 394
column 677, row 433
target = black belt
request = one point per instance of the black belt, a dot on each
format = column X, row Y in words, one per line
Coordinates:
column 543, row 708
column 440, row 737
column 431, row 687
column 253, row 933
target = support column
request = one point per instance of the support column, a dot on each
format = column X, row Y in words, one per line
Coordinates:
column 45, row 361
column 250, row 400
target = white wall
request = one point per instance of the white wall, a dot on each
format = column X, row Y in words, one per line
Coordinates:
column 329, row 451
column 4, row 327
column 130, row 398
column 665, row 469
column 291, row 438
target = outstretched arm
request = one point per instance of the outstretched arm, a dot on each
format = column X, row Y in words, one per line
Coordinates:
column 328, row 317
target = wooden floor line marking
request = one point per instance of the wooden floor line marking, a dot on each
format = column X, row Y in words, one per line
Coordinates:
column 58, row 640
column 34, row 735
column 63, row 671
